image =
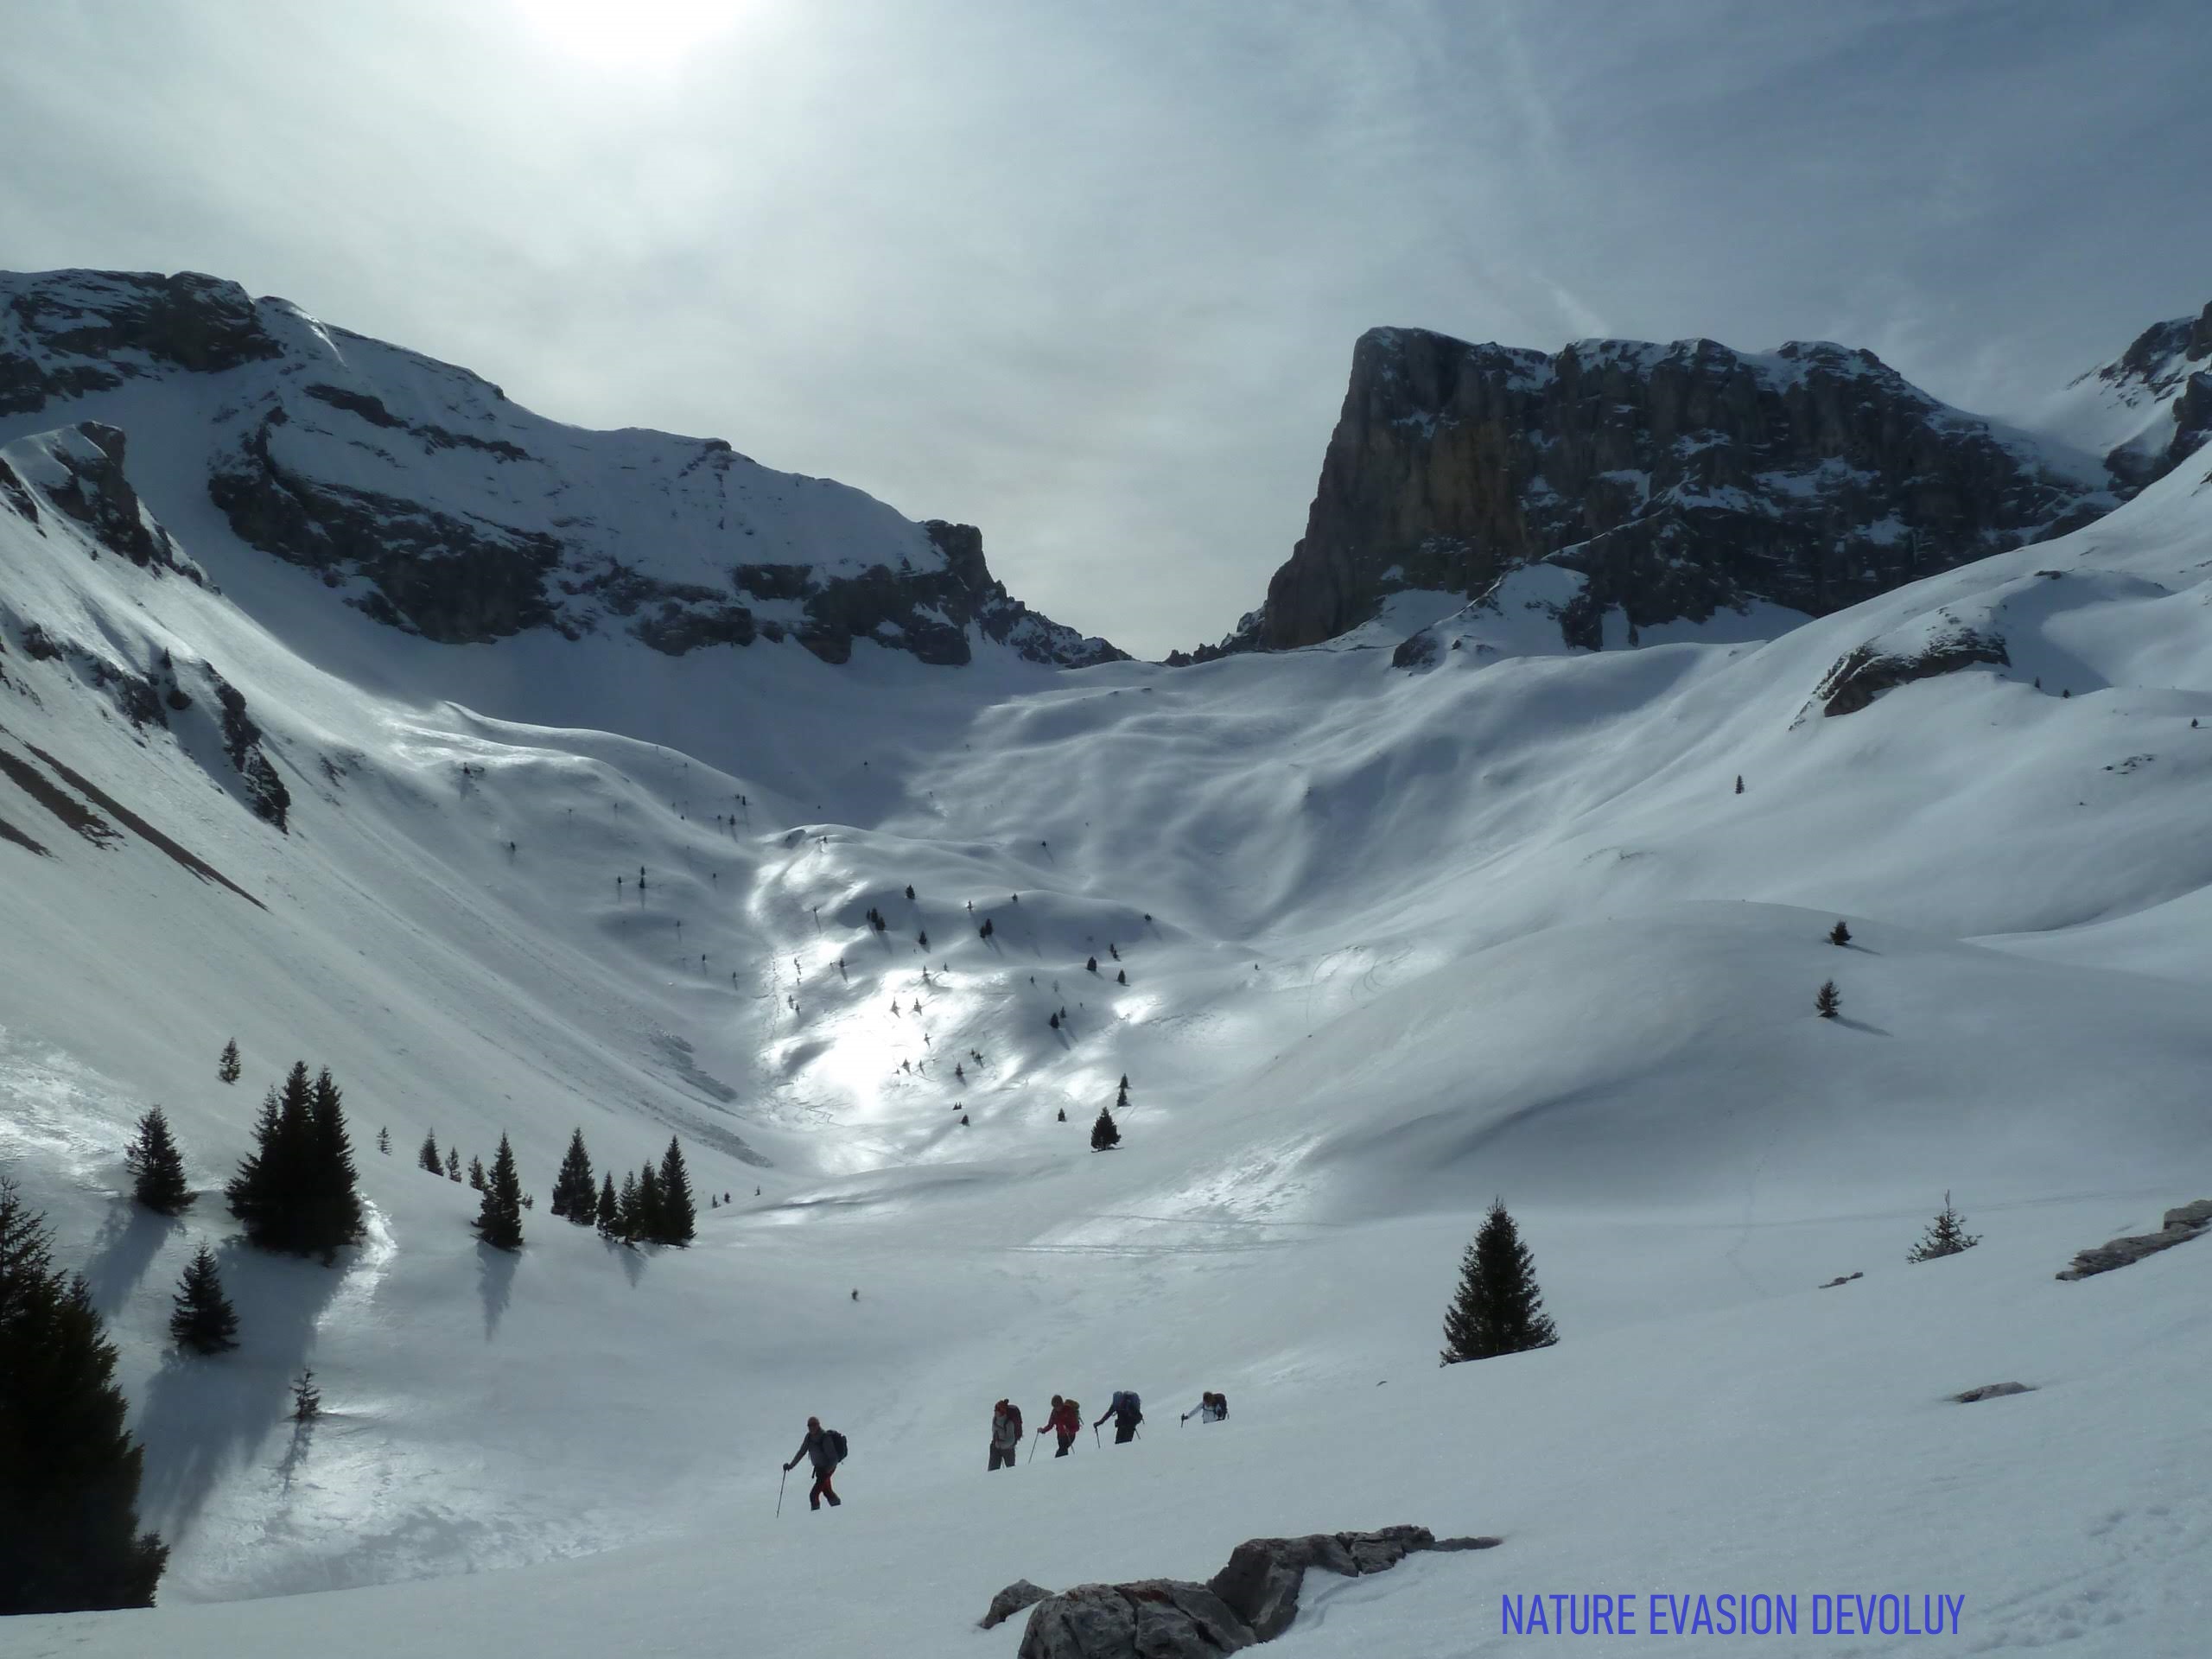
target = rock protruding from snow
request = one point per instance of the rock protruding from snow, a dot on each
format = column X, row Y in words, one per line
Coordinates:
column 1254, row 1598
column 1946, row 647
column 1011, row 1600
column 2150, row 408
column 1680, row 479
column 1152, row 1619
column 1991, row 1391
column 2181, row 1224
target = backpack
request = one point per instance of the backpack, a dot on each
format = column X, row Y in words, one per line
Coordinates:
column 833, row 1442
column 1220, row 1407
column 1013, row 1421
column 1126, row 1404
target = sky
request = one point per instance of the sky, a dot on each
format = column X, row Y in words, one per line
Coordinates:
column 1089, row 275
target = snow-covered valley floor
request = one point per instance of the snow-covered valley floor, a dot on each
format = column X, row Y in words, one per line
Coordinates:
column 1396, row 943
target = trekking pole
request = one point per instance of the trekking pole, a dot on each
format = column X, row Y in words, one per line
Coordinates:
column 1094, row 1434
column 780, row 1493
column 1033, row 1439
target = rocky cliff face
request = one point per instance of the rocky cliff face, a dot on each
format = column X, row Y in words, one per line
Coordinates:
column 434, row 505
column 1678, row 480
column 2155, row 399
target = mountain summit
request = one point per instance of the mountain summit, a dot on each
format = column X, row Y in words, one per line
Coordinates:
column 438, row 507
column 1666, row 482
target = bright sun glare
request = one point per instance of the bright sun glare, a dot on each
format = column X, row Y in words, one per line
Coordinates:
column 628, row 34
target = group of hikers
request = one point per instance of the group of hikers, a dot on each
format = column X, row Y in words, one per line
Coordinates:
column 1065, row 1422
column 825, row 1448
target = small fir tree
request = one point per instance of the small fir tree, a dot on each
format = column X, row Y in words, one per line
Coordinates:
column 1105, row 1132
column 476, row 1175
column 498, row 1219
column 1121, row 977
column 202, row 1319
column 1839, row 934
column 156, row 1168
column 609, row 1215
column 266, row 1192
column 679, row 1213
column 575, row 1193
column 384, row 1141
column 650, row 1219
column 1090, row 965
column 1497, row 1309
column 428, row 1156
column 1828, row 1004
column 453, row 1164
column 1063, row 1113
column 1946, row 1236
column 227, row 1067
column 307, row 1399
column 626, row 1208
column 69, row 1536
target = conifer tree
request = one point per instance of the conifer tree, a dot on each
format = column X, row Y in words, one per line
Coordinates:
column 1063, row 1113
column 476, row 1175
column 1121, row 977
column 650, row 1219
column 609, row 1217
column 333, row 1205
column 1105, row 1132
column 69, row 1537
column 202, row 1318
column 156, row 1168
column 428, row 1156
column 227, row 1067
column 626, row 1208
column 1828, row 1004
column 1090, row 965
column 498, row 1219
column 575, row 1193
column 453, row 1164
column 384, row 1141
column 1946, row 1236
column 1497, row 1309
column 679, row 1213
column 307, row 1399
column 264, row 1193
column 1839, row 934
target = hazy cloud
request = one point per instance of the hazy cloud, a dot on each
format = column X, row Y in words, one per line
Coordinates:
column 1089, row 275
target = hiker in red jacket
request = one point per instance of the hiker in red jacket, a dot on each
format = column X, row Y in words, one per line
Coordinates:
column 1005, row 1435
column 1065, row 1421
column 816, row 1447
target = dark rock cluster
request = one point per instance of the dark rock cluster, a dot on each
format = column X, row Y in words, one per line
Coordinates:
column 1252, row 1599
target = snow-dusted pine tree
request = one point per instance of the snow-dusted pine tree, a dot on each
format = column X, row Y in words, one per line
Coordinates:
column 498, row 1218
column 1827, row 1002
column 575, row 1193
column 227, row 1067
column 156, row 1168
column 69, row 1488
column 1946, row 1236
column 202, row 1318
column 1497, row 1309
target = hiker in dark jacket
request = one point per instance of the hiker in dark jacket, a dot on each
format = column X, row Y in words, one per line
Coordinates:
column 1006, row 1434
column 816, row 1447
column 1066, row 1422
column 1126, row 1414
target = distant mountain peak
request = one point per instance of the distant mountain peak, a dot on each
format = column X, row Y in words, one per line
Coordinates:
column 435, row 504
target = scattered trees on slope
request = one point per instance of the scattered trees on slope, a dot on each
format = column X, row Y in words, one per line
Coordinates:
column 295, row 1191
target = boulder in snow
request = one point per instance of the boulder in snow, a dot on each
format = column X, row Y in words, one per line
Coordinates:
column 1011, row 1600
column 2182, row 1223
column 1991, row 1391
column 1152, row 1619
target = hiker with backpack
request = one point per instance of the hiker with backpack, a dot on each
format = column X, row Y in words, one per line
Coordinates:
column 826, row 1448
column 1126, row 1413
column 1211, row 1409
column 1006, row 1434
column 1066, row 1422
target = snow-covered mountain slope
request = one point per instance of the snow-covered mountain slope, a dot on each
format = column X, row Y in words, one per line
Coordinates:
column 2147, row 409
column 417, row 492
column 1397, row 939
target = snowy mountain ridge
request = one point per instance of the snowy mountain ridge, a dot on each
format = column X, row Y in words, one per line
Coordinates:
column 420, row 494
